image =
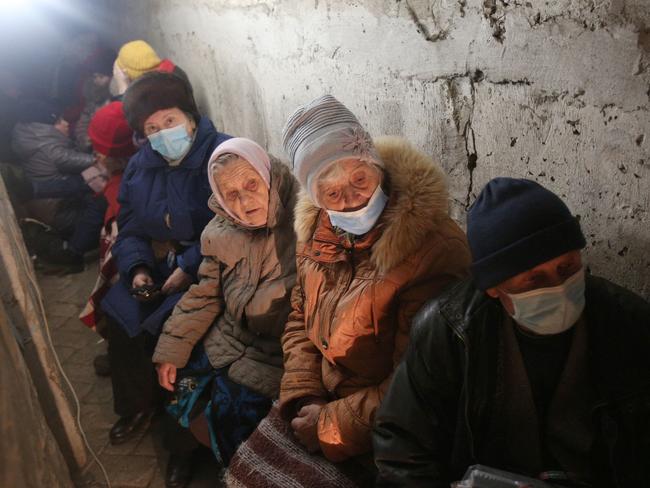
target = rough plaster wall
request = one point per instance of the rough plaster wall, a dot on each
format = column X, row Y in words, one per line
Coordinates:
column 556, row 91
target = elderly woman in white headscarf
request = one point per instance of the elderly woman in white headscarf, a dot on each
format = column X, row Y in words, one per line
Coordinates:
column 232, row 320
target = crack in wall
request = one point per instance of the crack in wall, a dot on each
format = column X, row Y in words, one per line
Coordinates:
column 477, row 75
column 423, row 29
column 494, row 12
column 523, row 81
column 462, row 5
column 468, row 134
column 470, row 144
column 472, row 159
column 592, row 17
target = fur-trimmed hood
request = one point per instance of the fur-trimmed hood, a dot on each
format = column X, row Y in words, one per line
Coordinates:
column 418, row 199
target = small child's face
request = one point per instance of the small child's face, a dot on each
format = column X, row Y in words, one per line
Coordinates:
column 244, row 192
column 63, row 127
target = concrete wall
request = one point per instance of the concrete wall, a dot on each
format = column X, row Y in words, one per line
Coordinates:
column 556, row 91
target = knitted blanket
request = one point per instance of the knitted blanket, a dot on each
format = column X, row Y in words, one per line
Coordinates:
column 273, row 458
column 92, row 314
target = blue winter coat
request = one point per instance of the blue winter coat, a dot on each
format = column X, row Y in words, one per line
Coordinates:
column 153, row 194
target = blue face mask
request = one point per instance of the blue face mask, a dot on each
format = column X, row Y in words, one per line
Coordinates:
column 173, row 143
column 552, row 310
column 360, row 221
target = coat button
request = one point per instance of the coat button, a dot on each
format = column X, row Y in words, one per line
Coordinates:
column 324, row 344
column 316, row 253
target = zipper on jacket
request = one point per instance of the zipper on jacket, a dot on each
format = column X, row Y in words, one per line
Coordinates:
column 350, row 253
column 466, row 389
column 350, row 263
column 373, row 315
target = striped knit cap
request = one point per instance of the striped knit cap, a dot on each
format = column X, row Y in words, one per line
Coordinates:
column 320, row 133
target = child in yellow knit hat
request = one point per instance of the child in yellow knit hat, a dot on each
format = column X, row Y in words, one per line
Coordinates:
column 134, row 59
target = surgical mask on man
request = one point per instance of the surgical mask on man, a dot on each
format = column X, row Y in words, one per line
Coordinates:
column 173, row 143
column 360, row 221
column 552, row 310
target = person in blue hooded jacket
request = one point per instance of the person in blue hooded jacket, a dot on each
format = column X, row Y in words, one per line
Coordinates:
column 163, row 196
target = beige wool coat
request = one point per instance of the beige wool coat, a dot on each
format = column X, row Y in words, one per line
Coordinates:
column 240, row 306
column 354, row 301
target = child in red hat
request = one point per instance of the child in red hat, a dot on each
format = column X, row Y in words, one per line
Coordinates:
column 112, row 141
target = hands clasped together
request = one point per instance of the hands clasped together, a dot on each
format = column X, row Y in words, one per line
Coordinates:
column 179, row 280
column 305, row 424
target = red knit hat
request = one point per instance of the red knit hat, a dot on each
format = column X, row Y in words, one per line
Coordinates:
column 110, row 133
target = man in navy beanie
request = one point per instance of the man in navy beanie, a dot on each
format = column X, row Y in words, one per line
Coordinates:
column 533, row 366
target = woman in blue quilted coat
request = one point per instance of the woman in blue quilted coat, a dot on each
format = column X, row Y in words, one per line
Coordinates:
column 164, row 208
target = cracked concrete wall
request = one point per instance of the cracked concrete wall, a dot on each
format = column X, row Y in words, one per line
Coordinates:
column 555, row 91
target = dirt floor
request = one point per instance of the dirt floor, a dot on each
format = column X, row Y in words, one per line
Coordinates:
column 141, row 462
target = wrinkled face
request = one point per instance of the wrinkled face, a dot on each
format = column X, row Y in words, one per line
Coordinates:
column 244, row 191
column 545, row 275
column 166, row 119
column 347, row 185
column 63, row 127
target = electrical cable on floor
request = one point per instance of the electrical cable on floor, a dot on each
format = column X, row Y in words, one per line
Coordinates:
column 34, row 283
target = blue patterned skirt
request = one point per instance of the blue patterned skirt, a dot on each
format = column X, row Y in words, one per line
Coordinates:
column 232, row 410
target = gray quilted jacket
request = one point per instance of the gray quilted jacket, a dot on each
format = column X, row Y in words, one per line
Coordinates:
column 46, row 153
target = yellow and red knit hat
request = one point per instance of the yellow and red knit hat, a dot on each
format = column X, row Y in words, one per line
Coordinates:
column 137, row 58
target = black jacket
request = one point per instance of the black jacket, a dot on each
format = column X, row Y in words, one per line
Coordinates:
column 435, row 414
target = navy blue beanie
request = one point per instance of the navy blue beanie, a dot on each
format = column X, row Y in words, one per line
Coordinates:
column 515, row 225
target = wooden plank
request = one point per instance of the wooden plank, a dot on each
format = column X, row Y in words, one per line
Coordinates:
column 20, row 295
column 30, row 455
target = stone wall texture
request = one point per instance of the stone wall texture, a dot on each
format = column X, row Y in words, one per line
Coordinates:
column 556, row 91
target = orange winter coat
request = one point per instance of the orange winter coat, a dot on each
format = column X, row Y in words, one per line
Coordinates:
column 353, row 301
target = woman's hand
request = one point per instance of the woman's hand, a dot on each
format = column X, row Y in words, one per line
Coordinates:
column 179, row 280
column 141, row 277
column 166, row 375
column 305, row 426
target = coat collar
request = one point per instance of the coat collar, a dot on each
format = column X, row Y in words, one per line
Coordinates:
column 281, row 197
column 418, row 199
column 195, row 158
column 617, row 341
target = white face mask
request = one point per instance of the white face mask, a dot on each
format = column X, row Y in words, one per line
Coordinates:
column 360, row 221
column 553, row 310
